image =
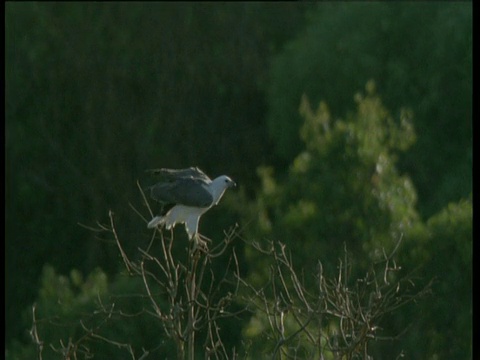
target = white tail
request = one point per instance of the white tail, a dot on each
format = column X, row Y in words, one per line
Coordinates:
column 156, row 221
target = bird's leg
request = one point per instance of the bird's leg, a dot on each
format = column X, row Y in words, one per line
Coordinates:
column 198, row 243
column 204, row 238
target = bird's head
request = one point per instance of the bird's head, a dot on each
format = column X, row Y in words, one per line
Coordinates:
column 219, row 185
column 227, row 182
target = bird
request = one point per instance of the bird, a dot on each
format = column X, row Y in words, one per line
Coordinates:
column 185, row 195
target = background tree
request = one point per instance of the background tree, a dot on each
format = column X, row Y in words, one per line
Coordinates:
column 427, row 68
column 344, row 189
column 420, row 56
column 442, row 251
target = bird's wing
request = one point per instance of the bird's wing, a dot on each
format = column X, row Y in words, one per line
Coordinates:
column 175, row 174
column 184, row 191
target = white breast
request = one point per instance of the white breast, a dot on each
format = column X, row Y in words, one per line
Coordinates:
column 181, row 214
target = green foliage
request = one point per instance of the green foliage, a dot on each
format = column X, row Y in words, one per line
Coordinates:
column 62, row 301
column 70, row 292
column 90, row 317
column 451, row 261
column 344, row 188
column 420, row 55
column 443, row 252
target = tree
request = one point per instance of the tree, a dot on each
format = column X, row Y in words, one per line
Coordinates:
column 420, row 55
column 343, row 188
column 443, row 252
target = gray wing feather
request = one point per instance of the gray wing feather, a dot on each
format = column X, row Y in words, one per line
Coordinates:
column 175, row 174
column 184, row 190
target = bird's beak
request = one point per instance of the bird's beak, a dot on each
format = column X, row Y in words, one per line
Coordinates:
column 233, row 184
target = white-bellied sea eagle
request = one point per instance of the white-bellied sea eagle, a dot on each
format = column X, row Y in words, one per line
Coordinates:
column 186, row 194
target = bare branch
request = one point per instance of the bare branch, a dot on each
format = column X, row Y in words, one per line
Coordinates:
column 127, row 263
